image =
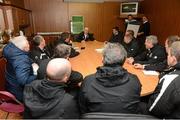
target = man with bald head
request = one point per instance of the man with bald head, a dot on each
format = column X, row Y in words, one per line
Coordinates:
column 19, row 69
column 85, row 35
column 47, row 99
column 59, row 70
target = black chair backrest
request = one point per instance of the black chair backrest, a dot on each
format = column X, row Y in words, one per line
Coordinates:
column 99, row 115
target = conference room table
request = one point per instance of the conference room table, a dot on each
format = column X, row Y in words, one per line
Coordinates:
column 89, row 59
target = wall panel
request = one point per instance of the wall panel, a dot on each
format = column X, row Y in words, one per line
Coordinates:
column 164, row 17
column 55, row 15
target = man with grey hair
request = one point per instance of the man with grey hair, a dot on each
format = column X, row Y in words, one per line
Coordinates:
column 112, row 88
column 47, row 99
column 165, row 101
column 19, row 68
column 38, row 52
column 154, row 54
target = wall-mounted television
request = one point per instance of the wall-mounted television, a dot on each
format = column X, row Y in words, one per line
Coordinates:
column 129, row 8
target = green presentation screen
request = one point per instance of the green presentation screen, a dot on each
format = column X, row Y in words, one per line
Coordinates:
column 77, row 24
column 77, row 19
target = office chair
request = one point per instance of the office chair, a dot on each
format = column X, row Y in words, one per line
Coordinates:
column 10, row 104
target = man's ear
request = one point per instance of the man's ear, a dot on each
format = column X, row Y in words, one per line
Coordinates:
column 174, row 60
column 65, row 79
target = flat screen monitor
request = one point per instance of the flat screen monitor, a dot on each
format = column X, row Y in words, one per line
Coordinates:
column 129, row 8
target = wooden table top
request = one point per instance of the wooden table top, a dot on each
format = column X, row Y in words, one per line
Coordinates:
column 88, row 60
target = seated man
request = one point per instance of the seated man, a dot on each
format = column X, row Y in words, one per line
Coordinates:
column 112, row 88
column 48, row 98
column 165, row 101
column 162, row 67
column 130, row 44
column 38, row 53
column 85, row 35
column 117, row 36
column 154, row 54
column 62, row 51
column 65, row 39
column 19, row 69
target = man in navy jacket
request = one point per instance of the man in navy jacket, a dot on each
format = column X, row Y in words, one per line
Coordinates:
column 19, row 69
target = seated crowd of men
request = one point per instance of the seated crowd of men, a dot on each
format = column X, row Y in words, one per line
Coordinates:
column 49, row 88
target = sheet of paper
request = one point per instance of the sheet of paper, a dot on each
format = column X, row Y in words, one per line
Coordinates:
column 99, row 50
column 135, row 28
column 150, row 72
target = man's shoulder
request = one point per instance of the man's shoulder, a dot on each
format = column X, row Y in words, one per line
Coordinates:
column 134, row 42
column 35, row 49
column 176, row 74
column 89, row 79
column 158, row 46
column 81, row 33
column 35, row 82
column 159, row 49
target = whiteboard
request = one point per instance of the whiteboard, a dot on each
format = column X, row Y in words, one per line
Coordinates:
column 133, row 27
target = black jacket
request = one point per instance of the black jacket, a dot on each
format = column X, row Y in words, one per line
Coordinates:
column 145, row 27
column 47, row 99
column 110, row 89
column 74, row 78
column 81, row 37
column 117, row 38
column 132, row 48
column 37, row 55
column 165, row 101
column 154, row 55
column 160, row 67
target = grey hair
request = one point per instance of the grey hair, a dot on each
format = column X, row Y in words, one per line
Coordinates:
column 172, row 39
column 175, row 50
column 19, row 41
column 153, row 39
column 114, row 53
column 62, row 51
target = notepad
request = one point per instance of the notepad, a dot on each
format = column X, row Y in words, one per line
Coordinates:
column 100, row 50
column 150, row 72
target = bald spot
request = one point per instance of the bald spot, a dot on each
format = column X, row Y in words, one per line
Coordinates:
column 58, row 69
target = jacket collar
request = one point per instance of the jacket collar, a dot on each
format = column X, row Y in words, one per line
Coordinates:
column 177, row 66
column 111, row 75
